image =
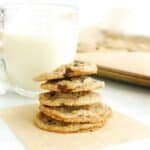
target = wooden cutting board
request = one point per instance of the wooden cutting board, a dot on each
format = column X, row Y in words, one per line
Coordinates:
column 119, row 129
column 132, row 67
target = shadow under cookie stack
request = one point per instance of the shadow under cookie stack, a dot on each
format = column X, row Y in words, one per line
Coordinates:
column 71, row 103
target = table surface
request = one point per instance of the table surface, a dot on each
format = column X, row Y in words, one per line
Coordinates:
column 128, row 99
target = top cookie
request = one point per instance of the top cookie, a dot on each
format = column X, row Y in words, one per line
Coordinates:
column 74, row 69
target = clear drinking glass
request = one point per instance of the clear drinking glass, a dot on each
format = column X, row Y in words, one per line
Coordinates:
column 36, row 39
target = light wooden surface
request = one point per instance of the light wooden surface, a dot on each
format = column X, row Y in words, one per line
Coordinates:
column 133, row 67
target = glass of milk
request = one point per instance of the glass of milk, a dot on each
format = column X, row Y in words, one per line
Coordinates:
column 36, row 39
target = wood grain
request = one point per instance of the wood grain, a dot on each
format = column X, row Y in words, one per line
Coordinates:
column 132, row 67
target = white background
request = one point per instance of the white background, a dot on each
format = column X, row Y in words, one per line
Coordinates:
column 130, row 16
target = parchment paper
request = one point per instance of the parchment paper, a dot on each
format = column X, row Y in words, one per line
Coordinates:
column 119, row 129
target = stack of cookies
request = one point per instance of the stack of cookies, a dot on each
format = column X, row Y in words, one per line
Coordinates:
column 71, row 105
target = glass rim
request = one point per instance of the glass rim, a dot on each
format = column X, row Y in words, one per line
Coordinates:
column 37, row 5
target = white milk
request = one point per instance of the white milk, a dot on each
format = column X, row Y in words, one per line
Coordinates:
column 29, row 53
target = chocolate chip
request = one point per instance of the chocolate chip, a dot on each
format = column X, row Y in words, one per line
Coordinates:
column 68, row 72
column 62, row 88
column 68, row 78
column 64, row 123
column 53, row 81
column 82, row 79
column 49, row 122
column 52, row 93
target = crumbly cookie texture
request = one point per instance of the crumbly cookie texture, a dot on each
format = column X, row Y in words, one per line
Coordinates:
column 80, row 114
column 69, row 99
column 46, row 123
column 76, row 84
column 74, row 69
column 71, row 103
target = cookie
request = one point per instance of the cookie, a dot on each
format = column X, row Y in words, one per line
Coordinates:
column 74, row 69
column 76, row 84
column 46, row 123
column 69, row 99
column 81, row 114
